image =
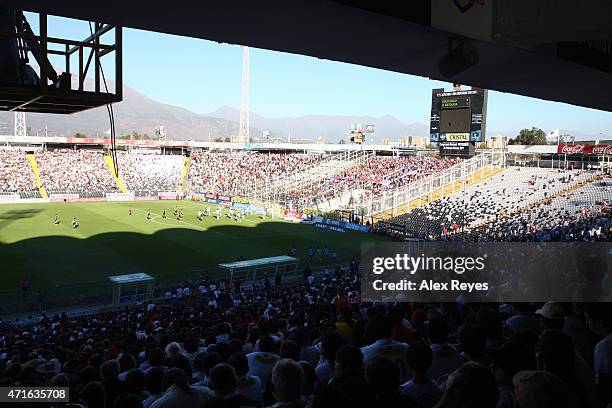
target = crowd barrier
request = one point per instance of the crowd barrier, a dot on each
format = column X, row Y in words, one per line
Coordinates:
column 337, row 225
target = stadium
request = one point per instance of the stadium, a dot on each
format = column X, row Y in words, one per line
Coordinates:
column 158, row 272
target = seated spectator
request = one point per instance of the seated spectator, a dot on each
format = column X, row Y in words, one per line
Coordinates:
column 421, row 390
column 524, row 322
column 112, row 385
column 127, row 401
column 556, row 355
column 348, row 364
column 382, row 375
column 135, row 384
column 289, row 349
column 310, row 378
column 472, row 342
column 287, row 381
column 511, row 358
column 178, row 392
column 470, row 386
column 223, row 383
column 154, row 386
column 540, row 389
column 93, row 395
column 211, row 359
column 126, row 363
column 156, row 359
column 331, row 343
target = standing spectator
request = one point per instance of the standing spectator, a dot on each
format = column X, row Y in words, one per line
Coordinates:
column 25, row 285
column 379, row 331
column 249, row 386
column 446, row 358
column 421, row 390
column 261, row 362
column 599, row 320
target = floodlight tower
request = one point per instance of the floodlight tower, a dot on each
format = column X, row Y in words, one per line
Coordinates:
column 244, row 98
column 20, row 124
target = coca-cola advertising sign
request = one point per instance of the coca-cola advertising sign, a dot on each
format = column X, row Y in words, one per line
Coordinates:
column 584, row 149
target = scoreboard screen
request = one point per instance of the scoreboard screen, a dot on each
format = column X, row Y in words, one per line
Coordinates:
column 458, row 116
column 455, row 120
column 456, row 102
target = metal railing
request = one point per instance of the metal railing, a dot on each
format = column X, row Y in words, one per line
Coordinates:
column 426, row 187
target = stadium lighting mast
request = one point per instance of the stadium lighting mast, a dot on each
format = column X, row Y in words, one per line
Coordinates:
column 244, row 97
column 20, row 124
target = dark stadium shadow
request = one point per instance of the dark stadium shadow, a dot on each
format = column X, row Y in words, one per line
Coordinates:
column 15, row 215
column 68, row 269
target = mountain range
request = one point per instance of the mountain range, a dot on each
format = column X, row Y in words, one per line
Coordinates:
column 141, row 114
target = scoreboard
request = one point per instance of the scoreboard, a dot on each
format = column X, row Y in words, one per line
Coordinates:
column 458, row 120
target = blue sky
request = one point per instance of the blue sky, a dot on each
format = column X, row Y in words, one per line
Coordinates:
column 202, row 76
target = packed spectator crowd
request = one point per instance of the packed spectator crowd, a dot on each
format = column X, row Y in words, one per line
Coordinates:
column 317, row 345
column 150, row 172
column 373, row 177
column 65, row 171
column 240, row 172
column 15, row 173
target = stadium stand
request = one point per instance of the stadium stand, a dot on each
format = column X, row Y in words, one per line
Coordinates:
column 16, row 177
column 313, row 343
column 372, row 177
column 316, row 345
column 236, row 173
column 147, row 174
column 582, row 214
column 493, row 199
column 83, row 172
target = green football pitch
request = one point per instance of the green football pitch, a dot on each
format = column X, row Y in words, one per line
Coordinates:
column 109, row 241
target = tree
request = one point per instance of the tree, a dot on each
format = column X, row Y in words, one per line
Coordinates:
column 342, row 141
column 80, row 135
column 533, row 136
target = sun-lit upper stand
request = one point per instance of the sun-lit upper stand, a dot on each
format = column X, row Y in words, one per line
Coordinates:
column 26, row 89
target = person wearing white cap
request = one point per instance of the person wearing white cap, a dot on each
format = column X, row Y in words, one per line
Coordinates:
column 553, row 316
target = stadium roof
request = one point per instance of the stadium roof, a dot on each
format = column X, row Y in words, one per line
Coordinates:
column 555, row 50
column 260, row 262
